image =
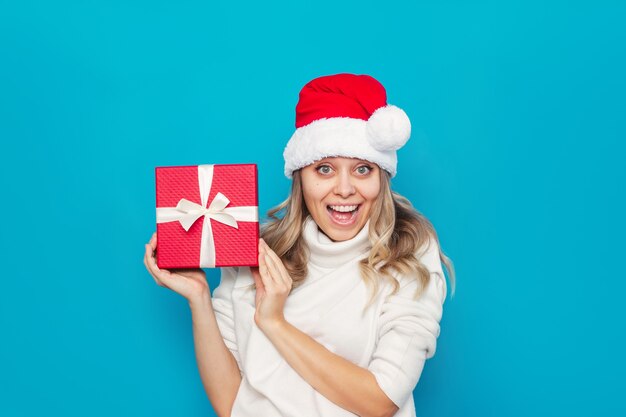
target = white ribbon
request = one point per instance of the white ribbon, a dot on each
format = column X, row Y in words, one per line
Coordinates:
column 187, row 212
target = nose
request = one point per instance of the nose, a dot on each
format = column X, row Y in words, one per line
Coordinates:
column 344, row 186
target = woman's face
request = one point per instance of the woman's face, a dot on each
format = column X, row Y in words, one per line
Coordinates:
column 339, row 193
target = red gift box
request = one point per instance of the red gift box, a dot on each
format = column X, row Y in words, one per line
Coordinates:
column 207, row 216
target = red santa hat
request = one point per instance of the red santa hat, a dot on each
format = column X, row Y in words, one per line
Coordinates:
column 346, row 115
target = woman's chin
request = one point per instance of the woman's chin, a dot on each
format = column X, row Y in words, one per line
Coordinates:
column 341, row 232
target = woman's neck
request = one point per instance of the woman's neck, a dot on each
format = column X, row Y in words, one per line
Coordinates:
column 327, row 253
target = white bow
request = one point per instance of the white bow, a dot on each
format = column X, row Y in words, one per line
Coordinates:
column 187, row 212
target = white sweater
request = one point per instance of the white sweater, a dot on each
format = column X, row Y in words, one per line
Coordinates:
column 392, row 339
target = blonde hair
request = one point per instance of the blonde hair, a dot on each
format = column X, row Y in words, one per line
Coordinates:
column 397, row 232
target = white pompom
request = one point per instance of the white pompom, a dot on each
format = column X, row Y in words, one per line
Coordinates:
column 388, row 128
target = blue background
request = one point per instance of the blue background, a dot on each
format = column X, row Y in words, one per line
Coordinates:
column 516, row 157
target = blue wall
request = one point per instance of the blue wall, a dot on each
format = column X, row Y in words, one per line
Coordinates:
column 516, row 157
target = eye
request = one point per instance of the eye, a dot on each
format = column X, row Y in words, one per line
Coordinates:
column 324, row 169
column 364, row 169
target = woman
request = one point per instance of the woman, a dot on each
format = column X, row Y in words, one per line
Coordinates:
column 344, row 308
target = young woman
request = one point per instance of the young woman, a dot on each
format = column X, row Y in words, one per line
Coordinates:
column 344, row 308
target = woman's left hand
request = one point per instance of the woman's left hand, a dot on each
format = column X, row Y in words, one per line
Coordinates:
column 273, row 285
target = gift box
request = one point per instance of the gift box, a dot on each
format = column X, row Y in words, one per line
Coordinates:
column 207, row 216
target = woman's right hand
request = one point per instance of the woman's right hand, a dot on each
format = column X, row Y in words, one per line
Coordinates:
column 190, row 283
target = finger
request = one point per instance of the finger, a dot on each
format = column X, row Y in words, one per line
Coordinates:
column 146, row 257
column 152, row 241
column 165, row 277
column 262, row 268
column 275, row 260
column 278, row 281
column 274, row 271
column 279, row 266
column 162, row 275
column 267, row 263
column 149, row 258
column 146, row 262
column 266, row 276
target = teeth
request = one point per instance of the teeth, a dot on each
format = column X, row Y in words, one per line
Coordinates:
column 344, row 209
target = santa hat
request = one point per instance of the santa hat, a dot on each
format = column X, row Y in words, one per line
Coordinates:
column 346, row 115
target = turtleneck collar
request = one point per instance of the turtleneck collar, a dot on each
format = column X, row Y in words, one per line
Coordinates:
column 328, row 254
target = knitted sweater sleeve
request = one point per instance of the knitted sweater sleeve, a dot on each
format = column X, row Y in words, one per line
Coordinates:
column 224, row 313
column 408, row 330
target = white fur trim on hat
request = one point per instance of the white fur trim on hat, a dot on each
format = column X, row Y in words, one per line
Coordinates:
column 340, row 136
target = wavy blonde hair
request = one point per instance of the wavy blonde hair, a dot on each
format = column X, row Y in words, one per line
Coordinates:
column 397, row 232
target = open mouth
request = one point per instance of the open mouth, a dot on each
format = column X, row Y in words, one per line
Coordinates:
column 343, row 214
